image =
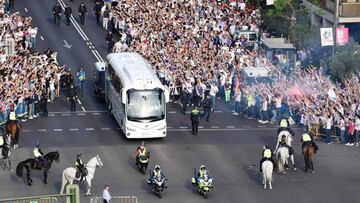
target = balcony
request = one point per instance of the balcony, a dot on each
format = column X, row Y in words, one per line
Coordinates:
column 349, row 9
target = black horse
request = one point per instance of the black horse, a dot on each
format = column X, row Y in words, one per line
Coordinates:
column 31, row 163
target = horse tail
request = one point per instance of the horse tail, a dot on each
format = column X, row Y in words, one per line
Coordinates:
column 19, row 169
column 280, row 161
column 268, row 171
column 307, row 156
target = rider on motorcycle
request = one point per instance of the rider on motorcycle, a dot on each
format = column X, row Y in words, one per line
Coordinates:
column 38, row 154
column 157, row 174
column 285, row 125
column 266, row 155
column 141, row 151
column 80, row 166
column 306, row 138
column 201, row 172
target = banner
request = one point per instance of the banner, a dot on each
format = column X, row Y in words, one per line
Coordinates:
column 270, row 2
column 327, row 36
column 342, row 35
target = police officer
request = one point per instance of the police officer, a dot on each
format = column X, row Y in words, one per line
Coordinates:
column 142, row 151
column 67, row 13
column 308, row 139
column 72, row 97
column 38, row 154
column 57, row 13
column 80, row 166
column 202, row 172
column 82, row 11
column 266, row 155
column 285, row 125
column 97, row 11
column 195, row 118
column 43, row 103
column 207, row 107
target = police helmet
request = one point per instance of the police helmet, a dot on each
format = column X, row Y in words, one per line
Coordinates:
column 78, row 155
column 37, row 144
column 266, row 146
column 157, row 167
column 202, row 167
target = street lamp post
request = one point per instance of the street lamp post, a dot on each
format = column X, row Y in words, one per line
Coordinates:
column 336, row 5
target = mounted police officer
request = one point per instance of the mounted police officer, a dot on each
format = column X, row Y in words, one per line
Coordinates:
column 308, row 139
column 142, row 151
column 38, row 155
column 266, row 155
column 285, row 125
column 81, row 167
column 195, row 118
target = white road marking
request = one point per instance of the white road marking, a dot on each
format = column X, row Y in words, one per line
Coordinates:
column 170, row 127
column 245, row 126
column 58, row 130
column 172, row 112
column 217, row 111
column 50, row 114
column 89, row 129
column 96, row 56
column 74, row 129
column 81, row 114
column 79, row 101
column 105, row 128
column 96, row 114
column 42, row 38
column 183, row 127
column 65, row 114
column 214, row 127
column 187, row 111
column 24, row 131
column 230, row 126
column 99, row 55
column 26, row 10
column 262, row 126
column 42, row 130
column 201, row 127
column 82, row 108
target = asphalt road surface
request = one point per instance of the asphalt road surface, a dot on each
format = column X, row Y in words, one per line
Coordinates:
column 229, row 147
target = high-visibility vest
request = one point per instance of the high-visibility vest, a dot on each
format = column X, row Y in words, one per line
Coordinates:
column 283, row 123
column 36, row 152
column 157, row 173
column 306, row 137
column 142, row 152
column 195, row 112
column 250, row 100
column 267, row 153
column 12, row 116
column 202, row 173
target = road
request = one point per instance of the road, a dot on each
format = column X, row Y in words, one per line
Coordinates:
column 229, row 147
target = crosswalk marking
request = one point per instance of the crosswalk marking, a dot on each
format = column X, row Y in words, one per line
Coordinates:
column 58, row 130
column 89, row 129
column 42, row 130
column 74, row 129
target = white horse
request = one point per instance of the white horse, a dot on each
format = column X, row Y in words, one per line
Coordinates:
column 69, row 174
column 288, row 140
column 282, row 156
column 267, row 168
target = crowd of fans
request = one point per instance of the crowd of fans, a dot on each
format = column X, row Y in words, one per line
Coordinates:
column 199, row 48
column 27, row 78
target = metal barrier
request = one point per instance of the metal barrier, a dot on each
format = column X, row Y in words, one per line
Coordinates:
column 116, row 199
column 71, row 196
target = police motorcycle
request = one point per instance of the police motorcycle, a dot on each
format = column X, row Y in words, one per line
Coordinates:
column 143, row 163
column 203, row 184
column 157, row 184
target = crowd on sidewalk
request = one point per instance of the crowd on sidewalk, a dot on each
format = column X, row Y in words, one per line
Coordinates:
column 29, row 79
column 196, row 51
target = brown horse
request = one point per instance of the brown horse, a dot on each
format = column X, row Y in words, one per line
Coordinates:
column 309, row 152
column 13, row 128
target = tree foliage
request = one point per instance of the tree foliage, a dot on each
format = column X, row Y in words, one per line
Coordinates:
column 346, row 62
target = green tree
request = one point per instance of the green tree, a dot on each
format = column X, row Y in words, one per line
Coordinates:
column 346, row 61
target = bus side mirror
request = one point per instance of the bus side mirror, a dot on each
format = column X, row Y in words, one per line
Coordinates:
column 123, row 96
column 167, row 94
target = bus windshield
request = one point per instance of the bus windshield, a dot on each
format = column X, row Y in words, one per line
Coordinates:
column 145, row 105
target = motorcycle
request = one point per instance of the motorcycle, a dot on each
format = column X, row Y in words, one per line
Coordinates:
column 203, row 185
column 143, row 164
column 157, row 185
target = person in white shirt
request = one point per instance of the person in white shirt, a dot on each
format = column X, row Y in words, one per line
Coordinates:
column 106, row 194
column 328, row 127
column 213, row 91
column 357, row 130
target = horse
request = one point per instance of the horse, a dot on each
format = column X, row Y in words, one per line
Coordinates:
column 309, row 152
column 288, row 140
column 6, row 151
column 267, row 168
column 282, row 156
column 13, row 128
column 69, row 174
column 31, row 163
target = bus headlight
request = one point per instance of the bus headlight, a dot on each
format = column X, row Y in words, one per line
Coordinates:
column 162, row 128
column 130, row 129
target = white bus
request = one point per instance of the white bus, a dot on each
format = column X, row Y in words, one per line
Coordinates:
column 135, row 96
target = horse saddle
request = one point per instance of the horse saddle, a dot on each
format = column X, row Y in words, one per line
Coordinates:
column 82, row 171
